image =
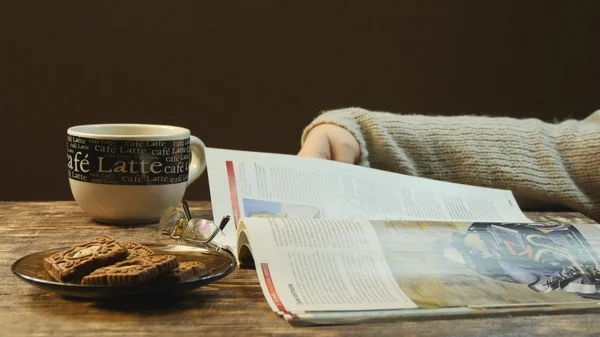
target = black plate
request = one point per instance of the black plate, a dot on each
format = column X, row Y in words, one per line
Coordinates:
column 30, row 268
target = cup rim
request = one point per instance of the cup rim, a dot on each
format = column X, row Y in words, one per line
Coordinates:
column 86, row 131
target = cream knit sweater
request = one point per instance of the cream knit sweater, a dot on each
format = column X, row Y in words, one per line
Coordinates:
column 546, row 165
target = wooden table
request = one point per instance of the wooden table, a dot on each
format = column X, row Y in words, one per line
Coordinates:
column 233, row 306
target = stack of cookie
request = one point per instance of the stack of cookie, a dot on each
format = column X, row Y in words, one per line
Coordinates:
column 106, row 261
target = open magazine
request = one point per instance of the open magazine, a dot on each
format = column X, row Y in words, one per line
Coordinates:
column 334, row 243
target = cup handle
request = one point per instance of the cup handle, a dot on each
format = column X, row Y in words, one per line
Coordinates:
column 198, row 159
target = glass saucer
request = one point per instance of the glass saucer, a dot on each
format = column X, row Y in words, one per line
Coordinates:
column 30, row 269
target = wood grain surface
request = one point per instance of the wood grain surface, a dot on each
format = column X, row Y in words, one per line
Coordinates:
column 233, row 306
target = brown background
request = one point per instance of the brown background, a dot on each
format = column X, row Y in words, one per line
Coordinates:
column 251, row 74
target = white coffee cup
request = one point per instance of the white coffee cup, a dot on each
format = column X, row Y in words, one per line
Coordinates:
column 131, row 173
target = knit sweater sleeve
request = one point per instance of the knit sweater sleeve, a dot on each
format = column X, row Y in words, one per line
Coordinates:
column 544, row 164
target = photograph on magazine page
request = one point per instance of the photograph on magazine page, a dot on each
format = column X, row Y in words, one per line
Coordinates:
column 268, row 209
column 441, row 264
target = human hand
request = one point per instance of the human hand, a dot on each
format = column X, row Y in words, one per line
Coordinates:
column 328, row 141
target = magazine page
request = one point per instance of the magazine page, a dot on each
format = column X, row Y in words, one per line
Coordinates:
column 254, row 184
column 435, row 268
column 326, row 265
